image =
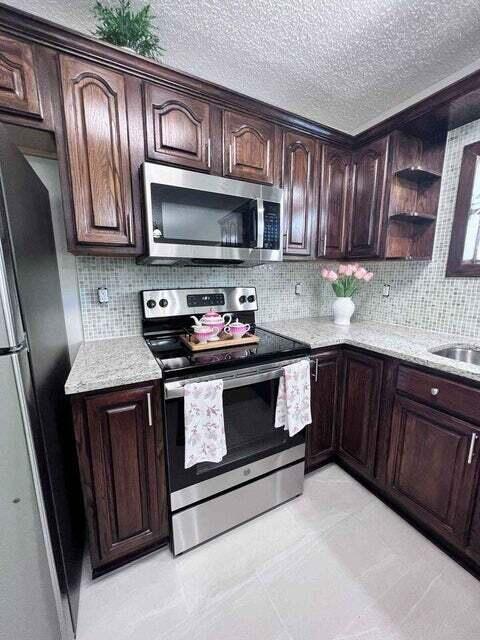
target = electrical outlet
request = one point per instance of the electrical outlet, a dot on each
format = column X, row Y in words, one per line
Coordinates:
column 386, row 290
column 102, row 293
column 298, row 289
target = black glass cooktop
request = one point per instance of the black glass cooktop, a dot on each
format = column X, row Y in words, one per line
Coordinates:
column 177, row 360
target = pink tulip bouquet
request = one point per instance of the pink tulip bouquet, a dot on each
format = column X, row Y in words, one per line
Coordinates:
column 346, row 281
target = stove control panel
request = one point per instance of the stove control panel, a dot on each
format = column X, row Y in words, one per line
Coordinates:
column 168, row 303
column 206, row 300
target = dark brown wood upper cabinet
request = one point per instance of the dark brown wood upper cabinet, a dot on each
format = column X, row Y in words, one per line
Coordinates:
column 367, row 200
column 334, row 190
column 177, row 128
column 464, row 255
column 300, row 178
column 18, row 80
column 357, row 437
column 95, row 111
column 320, row 434
column 120, row 446
column 248, row 147
column 429, row 468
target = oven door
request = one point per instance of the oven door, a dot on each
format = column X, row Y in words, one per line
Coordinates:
column 192, row 216
column 254, row 446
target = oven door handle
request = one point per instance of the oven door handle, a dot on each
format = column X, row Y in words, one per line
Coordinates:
column 177, row 389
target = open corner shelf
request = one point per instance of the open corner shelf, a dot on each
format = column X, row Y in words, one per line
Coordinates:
column 413, row 216
column 417, row 174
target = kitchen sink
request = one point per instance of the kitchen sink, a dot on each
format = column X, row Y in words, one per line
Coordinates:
column 460, row 353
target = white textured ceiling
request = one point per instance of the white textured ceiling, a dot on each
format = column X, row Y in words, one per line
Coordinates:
column 344, row 63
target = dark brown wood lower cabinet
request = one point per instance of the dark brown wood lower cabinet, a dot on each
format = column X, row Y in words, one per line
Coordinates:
column 431, row 470
column 120, row 449
column 473, row 543
column 320, row 434
column 358, row 425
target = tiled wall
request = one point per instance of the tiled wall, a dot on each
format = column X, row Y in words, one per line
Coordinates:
column 124, row 279
column 420, row 294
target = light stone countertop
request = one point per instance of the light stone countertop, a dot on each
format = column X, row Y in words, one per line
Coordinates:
column 115, row 362
column 405, row 343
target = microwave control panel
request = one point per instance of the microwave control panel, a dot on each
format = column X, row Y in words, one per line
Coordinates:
column 271, row 225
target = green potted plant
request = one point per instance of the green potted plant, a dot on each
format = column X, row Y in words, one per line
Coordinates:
column 121, row 25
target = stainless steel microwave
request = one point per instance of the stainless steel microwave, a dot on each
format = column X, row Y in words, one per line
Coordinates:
column 195, row 218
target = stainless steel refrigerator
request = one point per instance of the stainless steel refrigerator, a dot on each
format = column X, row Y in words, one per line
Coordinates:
column 41, row 538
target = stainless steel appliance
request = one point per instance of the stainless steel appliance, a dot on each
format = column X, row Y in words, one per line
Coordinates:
column 197, row 218
column 41, row 511
column 263, row 466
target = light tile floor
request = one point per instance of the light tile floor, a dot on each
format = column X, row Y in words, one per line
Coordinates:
column 334, row 564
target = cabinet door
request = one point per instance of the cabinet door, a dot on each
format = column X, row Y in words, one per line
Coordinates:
column 127, row 467
column 95, row 112
column 248, row 147
column 473, row 545
column 429, row 468
column 177, row 128
column 300, row 182
column 333, row 203
column 367, row 200
column 360, row 410
column 18, row 80
column 324, row 368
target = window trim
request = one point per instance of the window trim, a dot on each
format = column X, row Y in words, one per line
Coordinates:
column 455, row 266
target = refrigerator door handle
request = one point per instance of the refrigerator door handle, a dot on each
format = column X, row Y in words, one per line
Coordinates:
column 12, row 332
column 10, row 351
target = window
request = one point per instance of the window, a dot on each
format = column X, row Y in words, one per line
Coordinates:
column 464, row 256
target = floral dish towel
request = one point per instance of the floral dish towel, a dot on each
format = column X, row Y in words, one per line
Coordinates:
column 293, row 411
column 204, row 426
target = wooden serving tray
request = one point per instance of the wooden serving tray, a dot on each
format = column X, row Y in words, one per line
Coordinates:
column 193, row 345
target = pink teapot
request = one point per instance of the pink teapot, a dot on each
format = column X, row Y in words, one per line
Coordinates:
column 213, row 320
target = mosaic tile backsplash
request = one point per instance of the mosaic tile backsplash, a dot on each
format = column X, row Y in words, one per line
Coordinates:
column 420, row 295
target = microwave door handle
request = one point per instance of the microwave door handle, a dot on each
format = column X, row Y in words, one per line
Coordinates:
column 260, row 223
column 176, row 389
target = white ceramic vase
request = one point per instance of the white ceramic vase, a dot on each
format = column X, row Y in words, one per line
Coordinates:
column 343, row 309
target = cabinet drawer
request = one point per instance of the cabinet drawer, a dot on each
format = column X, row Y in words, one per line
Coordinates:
column 454, row 397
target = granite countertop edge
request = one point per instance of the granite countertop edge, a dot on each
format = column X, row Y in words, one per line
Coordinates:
column 110, row 363
column 417, row 352
column 117, row 362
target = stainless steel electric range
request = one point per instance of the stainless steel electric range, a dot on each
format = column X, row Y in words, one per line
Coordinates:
column 263, row 466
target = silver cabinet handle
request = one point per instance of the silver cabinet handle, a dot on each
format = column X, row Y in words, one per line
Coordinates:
column 315, row 373
column 230, row 159
column 472, row 448
column 130, row 228
column 149, row 407
column 209, row 154
column 434, row 391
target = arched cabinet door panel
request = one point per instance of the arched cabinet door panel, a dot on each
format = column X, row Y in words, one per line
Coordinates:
column 248, row 147
column 95, row 113
column 300, row 183
column 177, row 128
column 367, row 200
column 334, row 192
column 18, row 80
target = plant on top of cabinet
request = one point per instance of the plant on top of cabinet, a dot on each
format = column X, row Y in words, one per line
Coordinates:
column 122, row 26
column 345, row 284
